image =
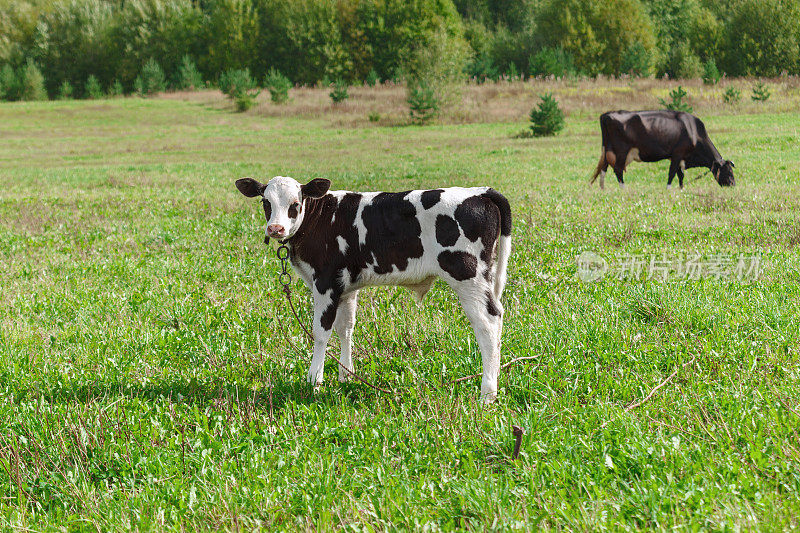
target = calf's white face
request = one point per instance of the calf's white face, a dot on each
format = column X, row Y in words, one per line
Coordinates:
column 283, row 198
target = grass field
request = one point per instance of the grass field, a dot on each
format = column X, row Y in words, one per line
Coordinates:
column 152, row 378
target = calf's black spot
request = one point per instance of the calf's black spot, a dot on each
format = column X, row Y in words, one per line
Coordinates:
column 460, row 265
column 267, row 209
column 446, row 230
column 393, row 232
column 491, row 306
column 431, row 198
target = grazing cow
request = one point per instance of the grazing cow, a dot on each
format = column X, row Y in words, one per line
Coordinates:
column 656, row 135
column 341, row 241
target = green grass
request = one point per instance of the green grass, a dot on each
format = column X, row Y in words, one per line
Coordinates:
column 149, row 377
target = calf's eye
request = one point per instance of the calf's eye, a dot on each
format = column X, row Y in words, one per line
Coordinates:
column 293, row 209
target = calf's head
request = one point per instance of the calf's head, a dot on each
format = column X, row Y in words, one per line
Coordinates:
column 284, row 202
column 723, row 173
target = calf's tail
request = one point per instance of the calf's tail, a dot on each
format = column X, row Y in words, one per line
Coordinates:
column 503, row 241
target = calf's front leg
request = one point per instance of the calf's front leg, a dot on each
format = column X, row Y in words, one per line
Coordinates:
column 325, row 307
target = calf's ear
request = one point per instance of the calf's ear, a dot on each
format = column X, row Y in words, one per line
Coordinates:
column 316, row 187
column 250, row 187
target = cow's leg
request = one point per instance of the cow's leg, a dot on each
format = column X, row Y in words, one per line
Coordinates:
column 325, row 310
column 485, row 314
column 345, row 321
column 674, row 166
column 619, row 171
column 681, row 168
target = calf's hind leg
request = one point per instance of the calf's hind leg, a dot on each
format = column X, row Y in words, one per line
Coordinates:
column 485, row 314
column 344, row 324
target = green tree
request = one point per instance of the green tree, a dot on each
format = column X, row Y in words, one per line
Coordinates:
column 152, row 79
column 93, row 90
column 546, row 118
column 188, row 78
column 9, row 83
column 31, row 82
column 593, row 31
column 763, row 38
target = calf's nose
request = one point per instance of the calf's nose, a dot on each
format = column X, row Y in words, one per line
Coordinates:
column 275, row 230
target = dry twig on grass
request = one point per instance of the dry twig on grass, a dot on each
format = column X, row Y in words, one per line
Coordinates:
column 652, row 392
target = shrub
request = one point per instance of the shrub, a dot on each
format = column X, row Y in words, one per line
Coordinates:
column 116, row 89
column 422, row 101
column 372, row 78
column 512, row 72
column 676, row 102
column 711, row 73
column 93, row 90
column 547, row 118
column 138, row 86
column 482, row 68
column 31, row 83
column 236, row 82
column 189, row 78
column 551, row 62
column 433, row 75
column 636, row 61
column 374, row 116
column 9, row 84
column 760, row 92
column 732, row 95
column 339, row 92
column 245, row 100
column 65, row 90
column 152, row 79
column 683, row 63
column 278, row 86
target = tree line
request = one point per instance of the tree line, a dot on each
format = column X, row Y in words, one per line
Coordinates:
column 84, row 46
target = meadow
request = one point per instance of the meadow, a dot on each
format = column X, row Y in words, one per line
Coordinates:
column 152, row 377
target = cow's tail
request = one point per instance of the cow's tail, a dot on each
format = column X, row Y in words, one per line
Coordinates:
column 601, row 165
column 503, row 241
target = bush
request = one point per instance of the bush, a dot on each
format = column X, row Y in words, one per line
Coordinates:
column 116, row 89
column 711, row 75
column 31, row 83
column 683, row 63
column 65, row 90
column 547, row 118
column 245, row 100
column 760, row 92
column 374, row 116
column 551, row 62
column 676, row 102
column 9, row 84
column 152, row 79
column 422, row 101
column 732, row 95
column 482, row 68
column 189, row 78
column 236, row 82
column 278, row 86
column 339, row 92
column 93, row 90
column 138, row 86
column 372, row 78
column 636, row 61
column 433, row 75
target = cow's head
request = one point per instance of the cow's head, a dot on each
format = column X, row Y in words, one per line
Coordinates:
column 284, row 202
column 723, row 173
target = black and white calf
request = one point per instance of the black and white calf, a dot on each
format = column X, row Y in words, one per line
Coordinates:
column 341, row 241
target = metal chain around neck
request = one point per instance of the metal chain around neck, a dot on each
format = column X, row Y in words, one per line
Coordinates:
column 285, row 277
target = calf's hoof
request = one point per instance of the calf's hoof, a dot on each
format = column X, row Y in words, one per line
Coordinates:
column 344, row 376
